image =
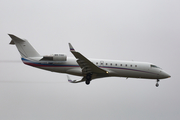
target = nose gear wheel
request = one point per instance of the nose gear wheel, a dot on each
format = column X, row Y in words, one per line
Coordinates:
column 157, row 84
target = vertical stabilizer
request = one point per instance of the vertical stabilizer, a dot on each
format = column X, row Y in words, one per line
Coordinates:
column 24, row 47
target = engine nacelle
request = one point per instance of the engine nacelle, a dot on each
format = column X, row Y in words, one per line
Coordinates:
column 59, row 57
column 55, row 57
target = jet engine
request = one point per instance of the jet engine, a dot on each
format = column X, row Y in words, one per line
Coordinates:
column 54, row 57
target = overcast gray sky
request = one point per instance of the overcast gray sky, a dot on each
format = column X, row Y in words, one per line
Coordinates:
column 141, row 30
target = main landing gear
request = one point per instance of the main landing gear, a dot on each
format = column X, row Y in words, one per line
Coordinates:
column 88, row 78
column 157, row 84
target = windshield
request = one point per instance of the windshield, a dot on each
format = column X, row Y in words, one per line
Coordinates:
column 154, row 66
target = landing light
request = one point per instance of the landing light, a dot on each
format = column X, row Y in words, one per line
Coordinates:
column 107, row 72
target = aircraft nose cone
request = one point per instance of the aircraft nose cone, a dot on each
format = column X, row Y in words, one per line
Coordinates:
column 169, row 76
column 165, row 75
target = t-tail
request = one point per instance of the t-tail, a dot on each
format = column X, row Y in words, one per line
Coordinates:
column 24, row 47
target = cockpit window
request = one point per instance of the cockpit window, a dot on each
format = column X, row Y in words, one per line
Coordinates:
column 154, row 66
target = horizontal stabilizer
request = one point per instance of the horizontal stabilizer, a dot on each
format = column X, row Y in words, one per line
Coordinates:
column 12, row 42
column 13, row 37
column 23, row 46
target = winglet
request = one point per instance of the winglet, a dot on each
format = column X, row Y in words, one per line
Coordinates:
column 75, row 81
column 70, row 80
column 71, row 48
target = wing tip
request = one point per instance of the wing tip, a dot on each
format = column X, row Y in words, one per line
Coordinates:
column 69, row 80
column 71, row 47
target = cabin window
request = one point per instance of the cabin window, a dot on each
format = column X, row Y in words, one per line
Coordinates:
column 116, row 64
column 121, row 64
column 135, row 65
column 97, row 63
column 126, row 65
column 131, row 65
column 106, row 63
column 111, row 64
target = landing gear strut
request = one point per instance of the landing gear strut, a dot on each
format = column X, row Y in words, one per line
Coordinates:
column 157, row 84
column 88, row 78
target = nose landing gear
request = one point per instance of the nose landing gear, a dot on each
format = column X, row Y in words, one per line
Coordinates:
column 157, row 84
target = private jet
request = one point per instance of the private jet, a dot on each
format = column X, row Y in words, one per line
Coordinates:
column 89, row 69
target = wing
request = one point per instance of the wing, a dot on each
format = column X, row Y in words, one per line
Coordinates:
column 86, row 65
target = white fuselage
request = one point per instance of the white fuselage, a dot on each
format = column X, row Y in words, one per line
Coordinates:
column 129, row 69
column 88, row 68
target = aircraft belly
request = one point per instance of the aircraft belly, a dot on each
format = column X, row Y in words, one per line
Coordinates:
column 132, row 73
column 75, row 71
column 54, row 69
